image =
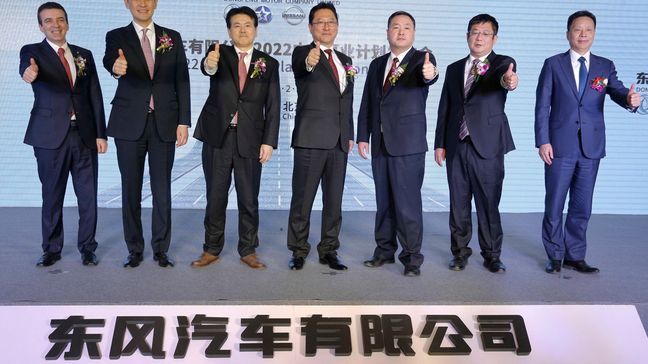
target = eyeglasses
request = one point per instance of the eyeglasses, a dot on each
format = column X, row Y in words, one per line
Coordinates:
column 476, row 33
column 324, row 23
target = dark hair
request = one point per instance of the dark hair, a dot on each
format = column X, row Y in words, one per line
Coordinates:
column 400, row 12
column 320, row 6
column 50, row 5
column 579, row 14
column 241, row 10
column 484, row 18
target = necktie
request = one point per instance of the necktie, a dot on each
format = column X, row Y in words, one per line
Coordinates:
column 148, row 55
column 329, row 53
column 463, row 127
column 66, row 65
column 391, row 71
column 582, row 77
column 242, row 70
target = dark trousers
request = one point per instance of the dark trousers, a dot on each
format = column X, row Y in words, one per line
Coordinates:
column 470, row 175
column 312, row 166
column 54, row 165
column 218, row 164
column 130, row 157
column 577, row 176
column 399, row 210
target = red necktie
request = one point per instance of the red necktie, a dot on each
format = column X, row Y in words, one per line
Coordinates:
column 66, row 65
column 242, row 70
column 148, row 55
column 329, row 53
column 391, row 71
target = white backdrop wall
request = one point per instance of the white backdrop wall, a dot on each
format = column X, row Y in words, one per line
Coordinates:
column 530, row 31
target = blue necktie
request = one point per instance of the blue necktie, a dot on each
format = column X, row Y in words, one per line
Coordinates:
column 582, row 77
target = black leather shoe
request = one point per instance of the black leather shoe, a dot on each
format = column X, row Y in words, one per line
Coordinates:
column 48, row 259
column 376, row 262
column 163, row 260
column 552, row 266
column 458, row 263
column 495, row 265
column 333, row 262
column 296, row 263
column 133, row 260
column 580, row 266
column 89, row 259
column 412, row 272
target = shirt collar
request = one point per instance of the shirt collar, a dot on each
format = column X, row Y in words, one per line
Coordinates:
column 138, row 28
column 56, row 47
column 574, row 56
column 399, row 56
column 481, row 59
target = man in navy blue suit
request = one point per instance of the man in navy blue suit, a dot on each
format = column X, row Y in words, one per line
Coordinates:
column 473, row 135
column 392, row 114
column 67, row 129
column 570, row 135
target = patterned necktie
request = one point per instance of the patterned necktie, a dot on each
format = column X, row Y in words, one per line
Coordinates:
column 148, row 55
column 582, row 77
column 242, row 70
column 463, row 127
column 329, row 53
column 66, row 65
column 392, row 70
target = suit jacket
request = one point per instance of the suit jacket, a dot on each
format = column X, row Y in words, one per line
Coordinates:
column 560, row 113
column 257, row 106
column 400, row 110
column 54, row 98
column 169, row 86
column 483, row 108
column 324, row 115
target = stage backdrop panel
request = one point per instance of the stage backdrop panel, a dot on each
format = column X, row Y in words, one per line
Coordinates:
column 529, row 31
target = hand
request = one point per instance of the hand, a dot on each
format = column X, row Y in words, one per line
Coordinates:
column 363, row 149
column 212, row 57
column 439, row 156
column 121, row 65
column 102, row 145
column 510, row 78
column 314, row 55
column 634, row 98
column 546, row 153
column 31, row 72
column 350, row 146
column 265, row 153
column 429, row 70
column 182, row 134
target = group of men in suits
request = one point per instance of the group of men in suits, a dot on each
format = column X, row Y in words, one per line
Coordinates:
column 239, row 127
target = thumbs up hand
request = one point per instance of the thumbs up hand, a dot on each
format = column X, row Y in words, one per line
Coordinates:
column 314, row 55
column 212, row 57
column 510, row 78
column 31, row 72
column 121, row 65
column 429, row 69
column 634, row 98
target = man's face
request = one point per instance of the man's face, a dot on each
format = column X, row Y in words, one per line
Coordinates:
column 400, row 33
column 324, row 27
column 481, row 39
column 142, row 10
column 242, row 31
column 53, row 25
column 581, row 34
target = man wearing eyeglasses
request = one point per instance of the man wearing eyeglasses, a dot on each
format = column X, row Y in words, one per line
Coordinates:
column 472, row 136
column 322, row 137
column 392, row 114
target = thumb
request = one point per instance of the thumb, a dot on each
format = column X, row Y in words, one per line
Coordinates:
column 510, row 68
column 121, row 53
column 32, row 62
column 427, row 57
column 217, row 46
column 632, row 88
column 317, row 44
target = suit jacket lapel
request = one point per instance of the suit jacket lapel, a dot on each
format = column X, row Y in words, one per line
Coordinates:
column 595, row 70
column 405, row 62
column 255, row 57
column 53, row 58
column 232, row 59
column 480, row 79
column 157, row 56
column 323, row 63
column 133, row 40
column 380, row 72
column 565, row 64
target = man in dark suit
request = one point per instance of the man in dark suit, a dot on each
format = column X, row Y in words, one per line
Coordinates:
column 150, row 113
column 322, row 137
column 392, row 114
column 473, row 134
column 570, row 135
column 239, row 128
column 67, row 129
